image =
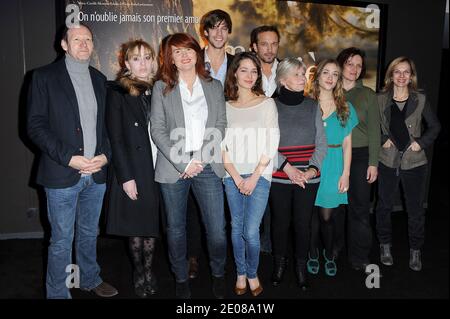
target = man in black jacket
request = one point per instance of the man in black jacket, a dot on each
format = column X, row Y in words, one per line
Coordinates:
column 66, row 107
column 215, row 26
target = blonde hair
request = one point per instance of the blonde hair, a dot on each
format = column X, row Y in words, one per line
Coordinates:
column 134, row 86
column 285, row 67
column 342, row 108
column 389, row 84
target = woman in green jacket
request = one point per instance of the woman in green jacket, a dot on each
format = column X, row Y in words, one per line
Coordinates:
column 364, row 167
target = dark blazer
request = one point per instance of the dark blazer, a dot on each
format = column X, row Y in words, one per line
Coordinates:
column 131, row 159
column 53, row 124
column 230, row 58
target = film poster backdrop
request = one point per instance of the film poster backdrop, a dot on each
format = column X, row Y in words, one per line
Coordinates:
column 310, row 31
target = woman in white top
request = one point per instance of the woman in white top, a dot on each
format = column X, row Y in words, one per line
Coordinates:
column 250, row 144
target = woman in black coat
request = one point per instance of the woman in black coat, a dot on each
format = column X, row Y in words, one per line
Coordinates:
column 133, row 194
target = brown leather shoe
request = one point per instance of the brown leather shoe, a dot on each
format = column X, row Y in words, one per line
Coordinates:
column 240, row 291
column 193, row 267
column 257, row 291
column 104, row 290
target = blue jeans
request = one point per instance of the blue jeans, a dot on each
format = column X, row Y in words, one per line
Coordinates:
column 246, row 215
column 76, row 206
column 208, row 191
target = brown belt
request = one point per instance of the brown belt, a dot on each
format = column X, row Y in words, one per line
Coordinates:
column 334, row 145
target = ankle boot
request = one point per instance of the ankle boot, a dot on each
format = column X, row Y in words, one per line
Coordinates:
column 279, row 266
column 300, row 271
column 415, row 261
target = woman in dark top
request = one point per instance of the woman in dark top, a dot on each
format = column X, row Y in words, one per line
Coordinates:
column 364, row 167
column 402, row 156
column 301, row 150
column 133, row 194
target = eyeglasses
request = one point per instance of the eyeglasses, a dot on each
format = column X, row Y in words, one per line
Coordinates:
column 401, row 73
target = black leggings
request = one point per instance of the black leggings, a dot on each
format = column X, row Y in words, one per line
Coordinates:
column 291, row 204
column 322, row 223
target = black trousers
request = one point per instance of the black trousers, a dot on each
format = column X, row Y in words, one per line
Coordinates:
column 413, row 182
column 359, row 230
column 291, row 203
column 355, row 220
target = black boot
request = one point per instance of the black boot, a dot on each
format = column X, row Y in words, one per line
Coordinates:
column 279, row 266
column 300, row 271
column 139, row 283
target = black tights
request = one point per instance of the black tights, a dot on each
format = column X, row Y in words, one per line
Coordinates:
column 326, row 230
column 141, row 251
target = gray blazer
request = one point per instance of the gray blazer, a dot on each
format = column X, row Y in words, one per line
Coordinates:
column 417, row 109
column 167, row 115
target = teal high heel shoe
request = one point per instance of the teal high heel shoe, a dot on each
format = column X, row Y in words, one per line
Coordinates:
column 330, row 266
column 313, row 264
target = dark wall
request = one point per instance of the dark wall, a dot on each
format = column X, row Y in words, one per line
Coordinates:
column 414, row 28
column 27, row 31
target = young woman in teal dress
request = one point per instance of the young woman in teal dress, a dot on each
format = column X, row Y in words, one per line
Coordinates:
column 339, row 118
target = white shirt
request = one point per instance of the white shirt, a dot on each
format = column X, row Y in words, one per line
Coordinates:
column 195, row 112
column 269, row 85
column 154, row 148
column 252, row 132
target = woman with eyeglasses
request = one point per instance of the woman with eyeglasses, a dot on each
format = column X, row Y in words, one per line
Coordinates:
column 403, row 109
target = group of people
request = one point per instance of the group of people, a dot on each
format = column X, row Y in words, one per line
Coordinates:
column 178, row 132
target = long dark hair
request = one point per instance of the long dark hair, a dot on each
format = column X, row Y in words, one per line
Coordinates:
column 168, row 71
column 231, row 88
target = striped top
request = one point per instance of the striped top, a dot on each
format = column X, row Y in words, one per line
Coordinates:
column 299, row 157
column 302, row 138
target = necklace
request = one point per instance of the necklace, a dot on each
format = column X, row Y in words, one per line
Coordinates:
column 327, row 107
column 401, row 97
